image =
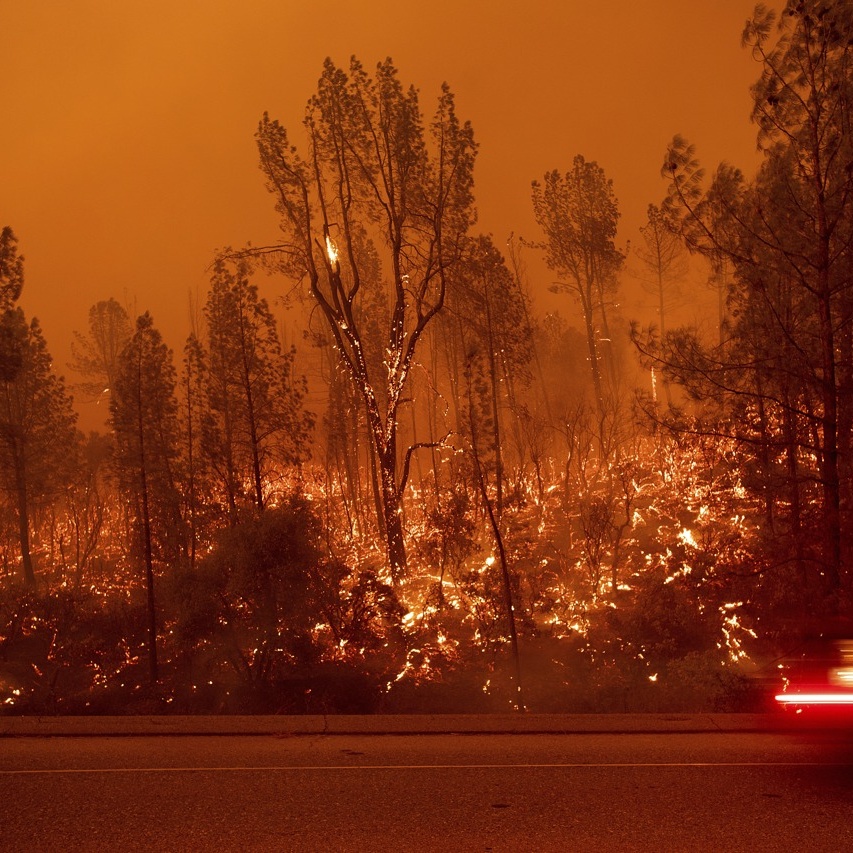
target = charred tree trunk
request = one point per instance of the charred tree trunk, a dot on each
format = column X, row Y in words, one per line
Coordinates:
column 829, row 392
column 229, row 478
column 191, row 483
column 594, row 365
column 795, row 522
column 146, row 536
column 254, row 441
column 392, row 515
column 22, row 496
column 496, row 422
column 518, row 699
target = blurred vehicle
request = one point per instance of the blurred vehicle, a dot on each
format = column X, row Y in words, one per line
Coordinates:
column 817, row 680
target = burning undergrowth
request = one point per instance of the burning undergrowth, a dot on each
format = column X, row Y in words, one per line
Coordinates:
column 635, row 592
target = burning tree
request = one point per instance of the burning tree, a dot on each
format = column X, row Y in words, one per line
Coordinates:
column 374, row 179
column 783, row 382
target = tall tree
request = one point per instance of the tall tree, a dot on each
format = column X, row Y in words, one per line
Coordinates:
column 487, row 311
column 788, row 237
column 39, row 442
column 197, row 426
column 144, row 417
column 578, row 214
column 11, row 285
column 259, row 426
column 374, row 180
column 664, row 258
column 11, row 268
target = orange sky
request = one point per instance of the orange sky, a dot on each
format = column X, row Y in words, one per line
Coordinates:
column 127, row 154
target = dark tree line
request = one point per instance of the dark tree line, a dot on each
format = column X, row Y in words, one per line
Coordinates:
column 779, row 379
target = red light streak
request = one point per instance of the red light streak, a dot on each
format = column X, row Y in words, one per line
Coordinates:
column 815, row 698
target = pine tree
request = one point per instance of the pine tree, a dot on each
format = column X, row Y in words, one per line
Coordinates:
column 39, row 441
column 259, row 428
column 144, row 417
column 197, row 426
column 486, row 311
column 782, row 382
column 11, row 285
column 578, row 214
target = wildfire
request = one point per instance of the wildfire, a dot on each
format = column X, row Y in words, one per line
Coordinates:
column 686, row 538
column 582, row 548
column 331, row 251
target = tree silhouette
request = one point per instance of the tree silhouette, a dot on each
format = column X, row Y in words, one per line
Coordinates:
column 144, row 417
column 257, row 424
column 39, row 442
column 783, row 382
column 375, row 180
column 578, row 214
column 95, row 355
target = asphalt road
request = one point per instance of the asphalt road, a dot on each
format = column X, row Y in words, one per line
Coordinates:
column 649, row 792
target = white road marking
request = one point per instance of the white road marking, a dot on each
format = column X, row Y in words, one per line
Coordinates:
column 336, row 767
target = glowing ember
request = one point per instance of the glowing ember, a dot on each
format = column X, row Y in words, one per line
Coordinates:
column 331, row 251
column 686, row 538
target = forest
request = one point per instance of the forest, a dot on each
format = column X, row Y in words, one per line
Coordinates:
column 440, row 498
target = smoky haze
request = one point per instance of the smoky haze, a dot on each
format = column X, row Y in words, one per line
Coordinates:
column 128, row 155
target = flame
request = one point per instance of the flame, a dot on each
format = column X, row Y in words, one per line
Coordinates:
column 687, row 538
column 331, row 251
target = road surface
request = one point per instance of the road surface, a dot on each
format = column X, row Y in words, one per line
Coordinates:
column 582, row 792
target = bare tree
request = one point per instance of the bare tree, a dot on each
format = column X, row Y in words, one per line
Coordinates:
column 664, row 257
column 665, row 260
